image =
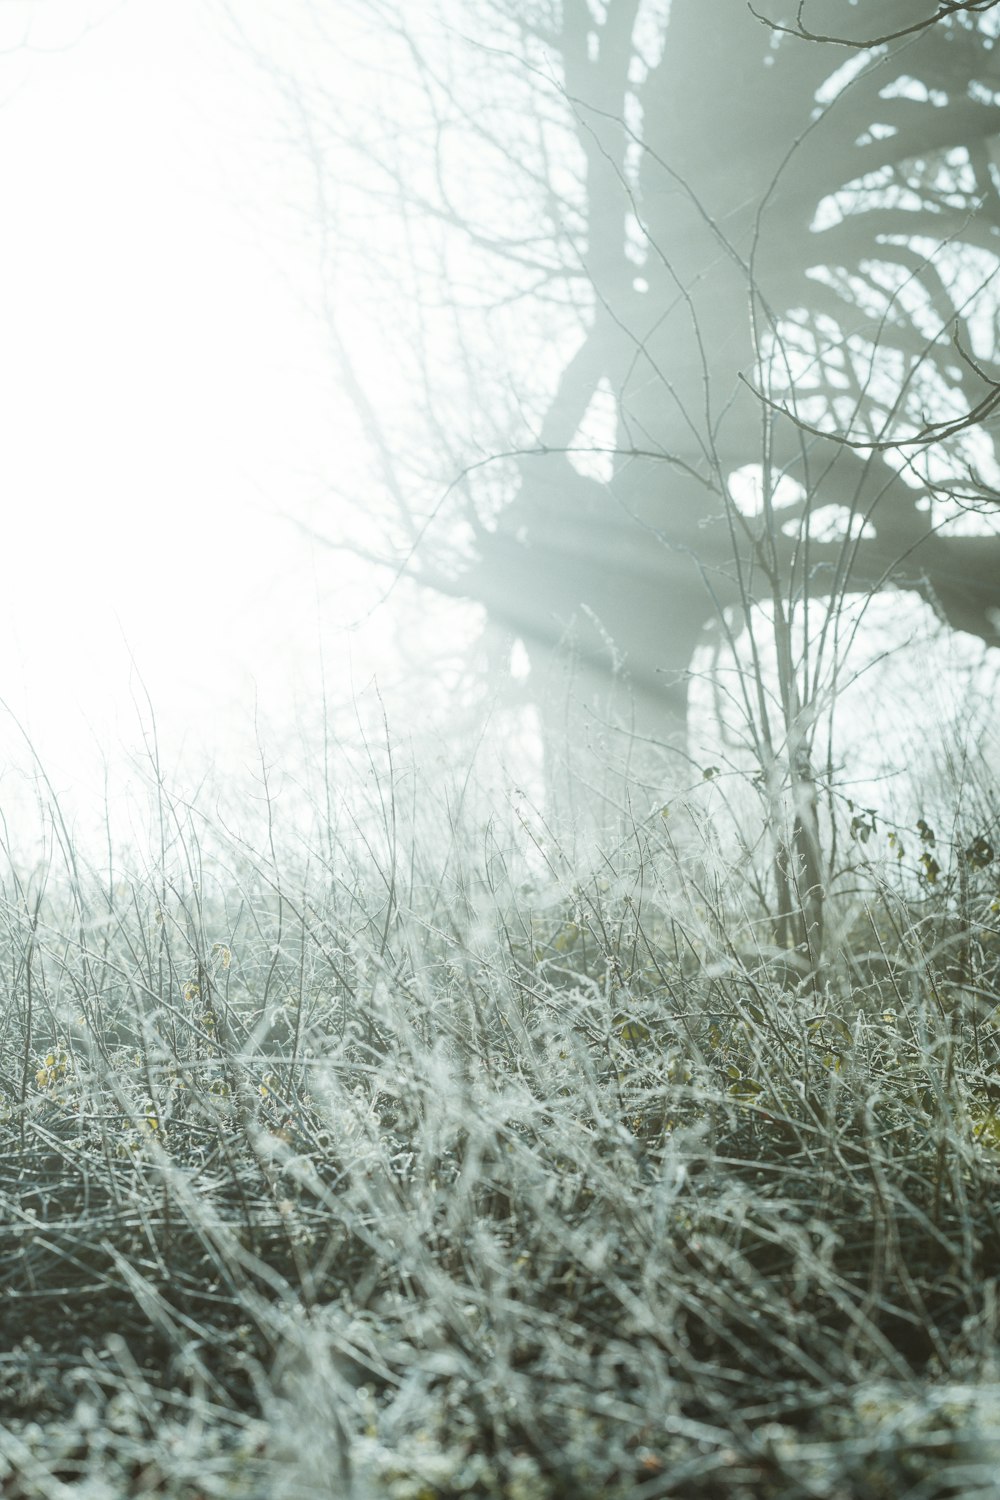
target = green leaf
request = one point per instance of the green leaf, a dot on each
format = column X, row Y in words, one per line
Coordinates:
column 631, row 1030
column 980, row 852
column 829, row 1022
column 567, row 937
column 985, row 1127
column 863, row 824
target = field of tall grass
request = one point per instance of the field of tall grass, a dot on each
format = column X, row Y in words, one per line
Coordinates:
column 402, row 1154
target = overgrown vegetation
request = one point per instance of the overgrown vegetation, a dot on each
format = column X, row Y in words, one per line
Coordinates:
column 381, row 1163
column 413, row 1154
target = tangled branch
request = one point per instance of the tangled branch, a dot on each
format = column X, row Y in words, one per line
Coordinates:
column 930, row 433
column 945, row 9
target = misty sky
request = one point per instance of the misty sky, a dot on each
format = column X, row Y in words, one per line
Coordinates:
column 166, row 392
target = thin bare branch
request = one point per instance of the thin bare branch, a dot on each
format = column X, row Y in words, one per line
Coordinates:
column 948, row 8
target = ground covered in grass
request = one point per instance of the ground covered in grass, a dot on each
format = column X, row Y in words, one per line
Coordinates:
column 383, row 1164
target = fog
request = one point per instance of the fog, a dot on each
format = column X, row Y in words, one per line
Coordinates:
column 248, row 312
column 499, row 819
column 169, row 404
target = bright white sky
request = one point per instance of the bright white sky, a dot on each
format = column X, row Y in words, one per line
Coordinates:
column 166, row 396
column 165, row 390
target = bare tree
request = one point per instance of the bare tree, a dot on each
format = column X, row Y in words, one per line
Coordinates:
column 638, row 247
